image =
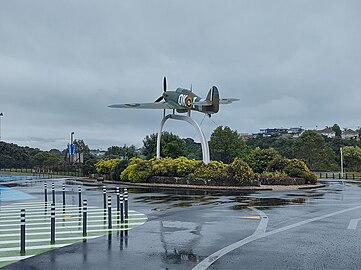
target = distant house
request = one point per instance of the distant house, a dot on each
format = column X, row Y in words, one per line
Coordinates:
column 97, row 152
column 295, row 132
column 245, row 136
column 327, row 132
column 349, row 134
column 269, row 132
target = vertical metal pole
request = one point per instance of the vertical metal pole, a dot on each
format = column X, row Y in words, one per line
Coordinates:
column 104, row 197
column 52, row 225
column 22, row 232
column 126, row 203
column 63, row 194
column 79, row 192
column 85, row 212
column 118, row 199
column 53, row 191
column 109, row 212
column 46, row 192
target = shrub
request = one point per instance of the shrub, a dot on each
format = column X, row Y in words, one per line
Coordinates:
column 163, row 166
column 298, row 168
column 241, row 171
column 215, row 170
column 259, row 159
column 104, row 166
column 275, row 174
column 117, row 169
column 278, row 164
column 185, row 166
column 138, row 170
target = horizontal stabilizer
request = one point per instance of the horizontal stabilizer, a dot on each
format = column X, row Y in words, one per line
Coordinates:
column 227, row 100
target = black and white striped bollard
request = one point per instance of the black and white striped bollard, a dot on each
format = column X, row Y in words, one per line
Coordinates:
column 118, row 199
column 79, row 194
column 126, row 205
column 85, row 212
column 109, row 212
column 104, row 197
column 53, row 192
column 52, row 224
column 46, row 192
column 63, row 194
column 122, row 208
column 22, row 232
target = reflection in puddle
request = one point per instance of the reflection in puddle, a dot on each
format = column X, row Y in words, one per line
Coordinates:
column 178, row 238
column 177, row 200
column 267, row 202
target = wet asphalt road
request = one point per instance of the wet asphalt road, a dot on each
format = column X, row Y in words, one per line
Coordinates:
column 307, row 229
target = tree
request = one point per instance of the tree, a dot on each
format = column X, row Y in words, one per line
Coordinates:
column 121, row 152
column 225, row 145
column 352, row 157
column 336, row 128
column 170, row 146
column 282, row 145
column 193, row 149
column 260, row 159
column 45, row 159
column 311, row 147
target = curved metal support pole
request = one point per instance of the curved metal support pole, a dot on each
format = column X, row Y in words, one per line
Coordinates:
column 204, row 143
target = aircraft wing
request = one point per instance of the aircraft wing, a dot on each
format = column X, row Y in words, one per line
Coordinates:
column 227, row 100
column 151, row 105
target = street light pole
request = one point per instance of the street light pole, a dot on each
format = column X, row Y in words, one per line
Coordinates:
column 341, row 162
column 1, row 116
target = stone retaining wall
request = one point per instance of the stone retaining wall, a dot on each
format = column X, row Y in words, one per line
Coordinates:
column 200, row 181
column 286, row 181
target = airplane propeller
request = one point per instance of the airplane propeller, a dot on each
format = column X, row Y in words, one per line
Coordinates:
column 164, row 90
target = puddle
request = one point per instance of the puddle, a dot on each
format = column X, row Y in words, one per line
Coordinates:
column 259, row 202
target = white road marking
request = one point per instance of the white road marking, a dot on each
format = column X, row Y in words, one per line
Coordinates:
column 77, row 232
column 47, row 239
column 64, row 222
column 14, row 258
column 255, row 236
column 353, row 224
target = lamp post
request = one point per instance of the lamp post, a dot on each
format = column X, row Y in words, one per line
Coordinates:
column 341, row 162
column 1, row 116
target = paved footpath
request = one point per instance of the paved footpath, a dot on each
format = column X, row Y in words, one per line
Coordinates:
column 300, row 229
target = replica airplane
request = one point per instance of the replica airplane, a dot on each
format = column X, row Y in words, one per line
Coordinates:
column 183, row 101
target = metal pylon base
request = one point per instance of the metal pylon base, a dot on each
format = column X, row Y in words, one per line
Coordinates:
column 204, row 143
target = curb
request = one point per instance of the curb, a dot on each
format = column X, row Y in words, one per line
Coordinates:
column 204, row 188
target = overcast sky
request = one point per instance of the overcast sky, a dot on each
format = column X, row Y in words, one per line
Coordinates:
column 291, row 63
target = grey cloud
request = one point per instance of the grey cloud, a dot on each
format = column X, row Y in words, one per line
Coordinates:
column 291, row 63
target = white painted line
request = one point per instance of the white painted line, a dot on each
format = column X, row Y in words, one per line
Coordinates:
column 47, row 239
column 78, row 217
column 59, row 213
column 37, row 208
column 353, row 224
column 66, row 221
column 14, row 258
column 27, row 229
column 35, row 247
column 255, row 236
column 75, row 232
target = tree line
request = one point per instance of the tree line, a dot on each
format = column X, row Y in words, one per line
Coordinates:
column 317, row 151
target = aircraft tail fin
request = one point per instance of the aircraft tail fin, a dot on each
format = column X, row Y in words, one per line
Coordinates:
column 213, row 96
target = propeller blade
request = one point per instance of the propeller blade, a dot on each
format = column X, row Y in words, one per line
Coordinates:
column 164, row 84
column 159, row 99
